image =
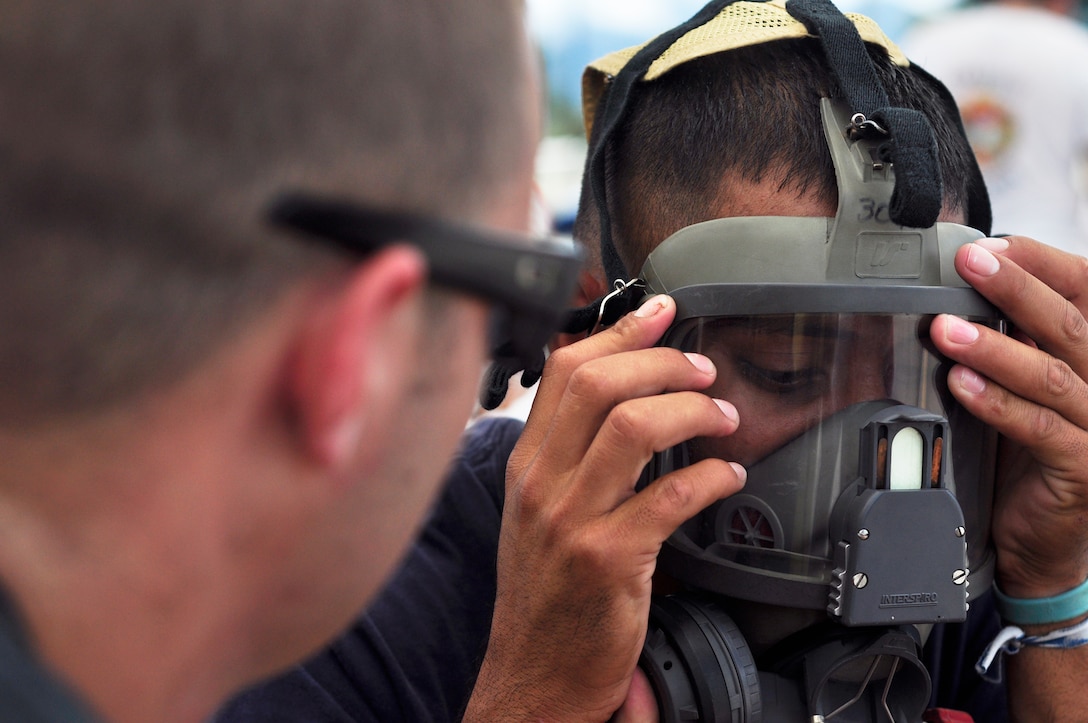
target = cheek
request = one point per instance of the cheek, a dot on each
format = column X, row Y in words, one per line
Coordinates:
column 759, row 434
column 457, row 355
column 765, row 425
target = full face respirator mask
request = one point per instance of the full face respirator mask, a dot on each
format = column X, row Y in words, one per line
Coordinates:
column 865, row 515
column 864, row 521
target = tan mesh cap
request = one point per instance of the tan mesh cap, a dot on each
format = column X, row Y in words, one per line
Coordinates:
column 739, row 25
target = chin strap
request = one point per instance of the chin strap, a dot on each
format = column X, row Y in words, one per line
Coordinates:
column 605, row 311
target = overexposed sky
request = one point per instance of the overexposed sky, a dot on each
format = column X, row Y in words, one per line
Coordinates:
column 554, row 18
column 574, row 32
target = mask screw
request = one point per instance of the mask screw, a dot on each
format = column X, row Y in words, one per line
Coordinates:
column 959, row 577
column 960, row 532
column 863, row 534
column 861, row 580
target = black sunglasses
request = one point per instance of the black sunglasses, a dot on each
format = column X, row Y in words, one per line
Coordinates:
column 530, row 282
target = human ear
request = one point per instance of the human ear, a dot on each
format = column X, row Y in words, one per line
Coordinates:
column 353, row 358
column 591, row 286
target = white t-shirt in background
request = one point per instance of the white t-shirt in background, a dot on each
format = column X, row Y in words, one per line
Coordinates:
column 1020, row 77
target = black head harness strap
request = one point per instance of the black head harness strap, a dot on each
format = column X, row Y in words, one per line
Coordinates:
column 911, row 145
column 979, row 213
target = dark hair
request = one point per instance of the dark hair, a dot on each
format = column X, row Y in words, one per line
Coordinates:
column 753, row 114
column 140, row 141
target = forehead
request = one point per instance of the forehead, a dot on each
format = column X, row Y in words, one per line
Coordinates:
column 777, row 195
column 769, row 196
column 773, row 195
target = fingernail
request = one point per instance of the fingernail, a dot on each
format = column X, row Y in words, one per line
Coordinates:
column 701, row 363
column 971, row 382
column 650, row 307
column 997, row 245
column 742, row 473
column 960, row 331
column 981, row 261
column 728, row 409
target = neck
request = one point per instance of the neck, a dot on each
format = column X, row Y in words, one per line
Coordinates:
column 126, row 545
column 150, row 551
column 122, row 600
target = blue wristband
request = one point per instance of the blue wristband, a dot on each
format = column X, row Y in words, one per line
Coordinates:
column 1041, row 611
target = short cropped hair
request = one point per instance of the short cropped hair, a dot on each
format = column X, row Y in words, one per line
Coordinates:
column 140, row 141
column 752, row 114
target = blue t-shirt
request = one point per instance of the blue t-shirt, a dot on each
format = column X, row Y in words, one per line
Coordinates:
column 414, row 654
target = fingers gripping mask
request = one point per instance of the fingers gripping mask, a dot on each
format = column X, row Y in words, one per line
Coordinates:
column 865, row 516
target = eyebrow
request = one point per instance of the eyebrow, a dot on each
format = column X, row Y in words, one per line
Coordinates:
column 814, row 325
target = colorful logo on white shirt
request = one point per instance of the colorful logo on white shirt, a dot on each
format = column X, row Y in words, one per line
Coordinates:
column 990, row 127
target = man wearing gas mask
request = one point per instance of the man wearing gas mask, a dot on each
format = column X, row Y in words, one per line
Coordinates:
column 844, row 313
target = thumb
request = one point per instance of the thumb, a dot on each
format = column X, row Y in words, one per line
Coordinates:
column 641, row 703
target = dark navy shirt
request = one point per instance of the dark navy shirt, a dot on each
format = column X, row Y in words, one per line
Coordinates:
column 414, row 654
column 28, row 692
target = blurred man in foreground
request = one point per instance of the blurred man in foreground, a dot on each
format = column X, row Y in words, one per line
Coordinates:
column 229, row 386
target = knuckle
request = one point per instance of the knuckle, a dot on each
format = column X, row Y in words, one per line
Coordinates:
column 588, row 381
column 1080, row 267
column 550, row 525
column 1020, row 286
column 592, row 554
column 527, row 499
column 677, row 491
column 1074, row 327
column 626, row 422
column 1044, row 423
column 1060, row 380
column 532, row 500
column 562, row 361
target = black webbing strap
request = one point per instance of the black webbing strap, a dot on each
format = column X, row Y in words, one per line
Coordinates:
column 615, row 101
column 979, row 213
column 911, row 146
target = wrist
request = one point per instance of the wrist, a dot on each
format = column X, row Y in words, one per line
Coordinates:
column 1067, row 605
column 514, row 692
column 1022, row 576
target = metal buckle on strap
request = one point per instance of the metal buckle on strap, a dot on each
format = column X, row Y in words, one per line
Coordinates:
column 622, row 291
